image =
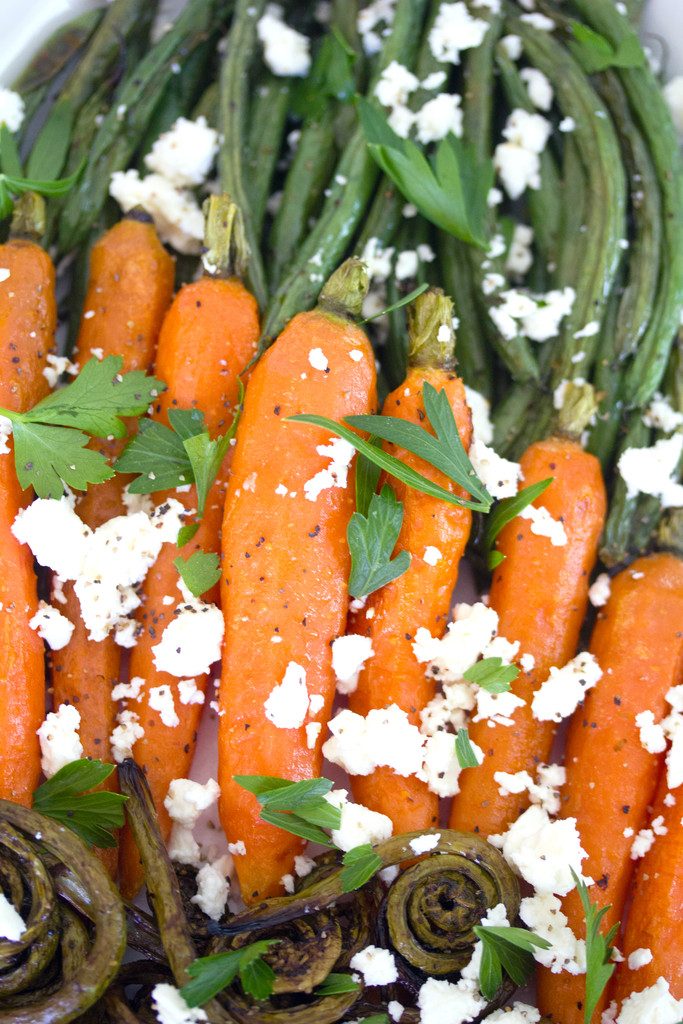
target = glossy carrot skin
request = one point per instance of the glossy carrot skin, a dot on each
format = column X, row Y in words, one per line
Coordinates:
column 207, row 339
column 655, row 917
column 540, row 593
column 611, row 778
column 27, row 326
column 285, row 572
column 129, row 290
column 420, row 597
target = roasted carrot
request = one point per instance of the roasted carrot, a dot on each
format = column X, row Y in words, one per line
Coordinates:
column 129, row 289
column 611, row 777
column 540, row 592
column 208, row 338
column 422, row 595
column 286, row 561
column 655, row 917
column 27, row 326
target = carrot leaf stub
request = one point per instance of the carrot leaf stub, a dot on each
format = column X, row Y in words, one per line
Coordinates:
column 372, row 540
column 599, row 948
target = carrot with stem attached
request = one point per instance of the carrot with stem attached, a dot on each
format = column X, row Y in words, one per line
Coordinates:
column 286, row 563
column 208, row 338
column 436, row 534
column 540, row 592
column 27, row 325
column 611, row 777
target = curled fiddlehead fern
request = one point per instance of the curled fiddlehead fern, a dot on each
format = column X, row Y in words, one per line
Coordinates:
column 75, row 933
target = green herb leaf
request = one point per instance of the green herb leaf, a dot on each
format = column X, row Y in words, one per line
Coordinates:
column 10, row 162
column 48, row 154
column 157, row 453
column 283, row 794
column 367, row 478
column 360, row 865
column 372, row 540
column 599, row 948
column 595, row 53
column 464, row 750
column 377, row 1018
column 46, row 458
column 206, row 456
column 186, row 533
column 200, row 572
column 406, row 300
column 504, row 512
column 92, row 816
column 212, row 974
column 492, row 675
column 331, row 77
column 451, row 193
column 505, row 949
column 6, row 204
column 52, row 189
column 296, row 825
column 337, row 985
column 296, row 807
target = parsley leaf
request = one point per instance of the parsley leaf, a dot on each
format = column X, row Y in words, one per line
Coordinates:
column 505, row 949
column 361, row 863
column 200, row 572
column 92, row 816
column 451, row 191
column 336, row 985
column 595, row 53
column 211, row 974
column 491, row 674
column 599, row 970
column 371, row 541
column 296, row 807
column 46, row 458
column 464, row 750
column 504, row 512
column 12, row 180
column 158, row 454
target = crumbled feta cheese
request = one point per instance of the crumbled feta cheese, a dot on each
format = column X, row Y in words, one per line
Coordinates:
column 237, row 849
column 384, row 738
column 183, row 848
column 564, row 689
column 545, row 792
column 495, row 917
column 379, row 12
column 191, row 642
column 131, row 690
column 542, row 913
column 5, row 433
column 187, row 799
column 639, row 958
column 673, row 94
column 589, row 330
column 395, row 85
column 662, row 416
column 543, row 524
column 318, row 359
column 60, row 743
column 654, row 1005
column 673, row 727
column 653, row 470
column 377, row 259
column 356, row 355
column 538, row 87
column 349, row 654
column 467, row 636
column 359, row 825
column 56, row 366
column 480, row 407
column 395, row 1009
column 520, row 258
column 442, row 1002
column 161, row 699
column 600, row 590
column 539, row 21
column 499, row 476
column 518, row 1013
column 285, row 51
column 340, row 453
column 188, row 692
column 51, row 626
column 432, row 555
column 438, row 117
column 498, row 708
column 125, row 735
column 4, row 274
column 527, row 662
column 377, row 965
column 287, row 703
column 12, row 924
column 642, row 843
column 543, row 851
column 538, row 317
column 176, row 213
column 567, row 124
column 512, row 46
column 652, row 735
column 406, row 265
column 423, row 844
column 213, row 888
column 455, row 30
column 517, row 160
column 185, row 153
column 11, row 109
column 171, row 1008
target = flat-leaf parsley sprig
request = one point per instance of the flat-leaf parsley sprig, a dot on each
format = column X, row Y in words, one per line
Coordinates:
column 599, row 966
column 66, row 797
column 505, row 949
column 210, row 975
column 14, row 184
column 372, row 539
column 50, row 439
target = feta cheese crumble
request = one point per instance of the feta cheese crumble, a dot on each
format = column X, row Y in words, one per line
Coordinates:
column 171, row 1008
column 432, row 555
column 538, row 87
column 285, row 51
column 543, row 524
column 191, row 642
column 11, row 109
column 542, row 913
column 442, row 1002
column 661, row 415
column 499, row 476
column 176, row 213
column 318, row 359
column 51, row 626
column 564, row 689
column 213, row 888
column 60, row 743
column 455, row 30
column 377, row 965
column 349, row 654
column 184, row 154
column 424, row 844
column 517, row 160
column 639, row 958
column 340, row 453
column 287, row 703
column 600, row 590
column 359, row 825
column 653, row 470
column 654, row 1005
column 12, row 924
column 543, row 851
column 125, row 735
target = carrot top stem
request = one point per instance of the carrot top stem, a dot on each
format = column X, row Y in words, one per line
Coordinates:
column 578, row 407
column 431, row 338
column 344, row 291
column 670, row 532
column 28, row 219
column 226, row 252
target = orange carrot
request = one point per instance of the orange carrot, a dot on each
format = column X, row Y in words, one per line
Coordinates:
column 655, row 918
column 422, row 595
column 27, row 326
column 208, row 338
column 611, row 777
column 540, row 592
column 286, row 562
column 129, row 289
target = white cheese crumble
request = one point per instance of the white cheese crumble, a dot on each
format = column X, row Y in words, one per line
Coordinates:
column 379, row 12
column 185, row 153
column 395, row 1009
column 545, row 792
column 377, row 965
column 653, row 470
column 639, row 958
column 171, row 1008
column 538, row 317
column 473, row 627
column 213, row 888
column 340, row 453
column 423, row 844
column 442, row 1002
column 539, row 21
column 359, row 825
column 125, row 735
column 131, row 690
column 455, row 30
column 176, row 213
column 189, row 693
column 600, row 590
column 161, row 699
column 285, row 51
column 12, row 924
column 496, row 917
column 517, row 160
column 4, row 274
column 287, row 703
column 377, row 259
column 5, row 432
column 542, row 913
column 480, row 407
column 349, row 654
column 51, row 626
column 512, row 46
column 60, row 743
column 11, row 109
column 499, row 476
column 661, row 415
column 543, row 524
column 439, row 116
column 564, row 689
column 520, row 257
column 318, row 359
column 654, row 1005
column 538, row 87
column 432, row 555
column 652, row 735
column 589, row 331
column 518, row 1013
column 543, row 851
column 191, row 642
column 187, row 799
column 58, row 365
